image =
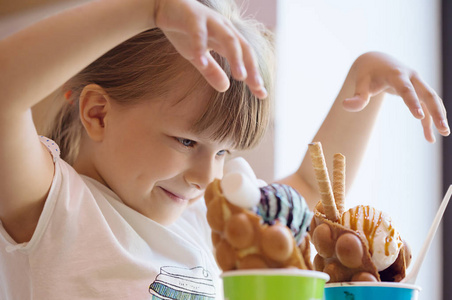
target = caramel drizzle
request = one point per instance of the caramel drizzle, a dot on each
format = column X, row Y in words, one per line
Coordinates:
column 370, row 225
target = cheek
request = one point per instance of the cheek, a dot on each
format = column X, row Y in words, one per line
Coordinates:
column 168, row 163
column 135, row 155
column 160, row 160
column 218, row 171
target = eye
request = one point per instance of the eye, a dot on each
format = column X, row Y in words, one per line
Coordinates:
column 186, row 142
column 222, row 152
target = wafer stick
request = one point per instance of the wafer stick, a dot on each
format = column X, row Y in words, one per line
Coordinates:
column 339, row 181
column 323, row 180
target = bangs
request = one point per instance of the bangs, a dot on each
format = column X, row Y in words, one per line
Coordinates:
column 235, row 115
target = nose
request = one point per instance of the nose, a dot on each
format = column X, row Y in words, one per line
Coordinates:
column 204, row 171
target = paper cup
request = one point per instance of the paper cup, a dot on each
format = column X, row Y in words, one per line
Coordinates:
column 273, row 284
column 371, row 291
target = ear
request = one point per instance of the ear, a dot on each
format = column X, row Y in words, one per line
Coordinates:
column 94, row 105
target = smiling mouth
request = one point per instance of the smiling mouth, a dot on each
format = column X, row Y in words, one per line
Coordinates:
column 174, row 197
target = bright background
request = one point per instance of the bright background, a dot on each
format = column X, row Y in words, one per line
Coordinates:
column 317, row 41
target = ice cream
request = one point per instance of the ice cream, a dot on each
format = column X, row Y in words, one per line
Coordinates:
column 359, row 244
column 282, row 203
column 256, row 225
column 382, row 239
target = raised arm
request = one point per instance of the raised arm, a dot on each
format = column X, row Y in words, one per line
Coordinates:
column 34, row 62
column 348, row 125
column 37, row 60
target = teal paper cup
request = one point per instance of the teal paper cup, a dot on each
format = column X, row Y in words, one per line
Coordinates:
column 371, row 291
column 274, row 284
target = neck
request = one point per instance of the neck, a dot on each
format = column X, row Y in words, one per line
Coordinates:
column 84, row 164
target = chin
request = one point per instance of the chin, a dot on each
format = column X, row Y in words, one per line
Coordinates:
column 191, row 201
column 166, row 219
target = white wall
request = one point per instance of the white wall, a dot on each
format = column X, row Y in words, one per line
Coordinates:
column 317, row 42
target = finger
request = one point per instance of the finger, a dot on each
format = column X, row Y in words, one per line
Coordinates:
column 198, row 41
column 204, row 62
column 257, row 89
column 433, row 104
column 361, row 96
column 404, row 88
column 427, row 125
column 213, row 73
column 244, row 68
column 254, row 79
column 227, row 43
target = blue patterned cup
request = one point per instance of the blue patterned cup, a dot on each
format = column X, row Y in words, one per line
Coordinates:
column 371, row 291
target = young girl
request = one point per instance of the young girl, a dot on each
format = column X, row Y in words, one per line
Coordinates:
column 154, row 94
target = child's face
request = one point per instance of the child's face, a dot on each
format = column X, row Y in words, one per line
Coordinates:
column 152, row 159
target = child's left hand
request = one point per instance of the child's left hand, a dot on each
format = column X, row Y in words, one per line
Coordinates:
column 194, row 30
column 375, row 73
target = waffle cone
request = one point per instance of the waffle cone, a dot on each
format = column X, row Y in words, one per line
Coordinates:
column 339, row 182
column 345, row 255
column 397, row 271
column 242, row 241
column 323, row 180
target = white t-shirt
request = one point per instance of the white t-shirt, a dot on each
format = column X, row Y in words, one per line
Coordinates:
column 89, row 245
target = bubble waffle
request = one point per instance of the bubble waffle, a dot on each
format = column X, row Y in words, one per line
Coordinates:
column 343, row 253
column 243, row 241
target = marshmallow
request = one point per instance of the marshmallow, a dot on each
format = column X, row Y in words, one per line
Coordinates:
column 240, row 165
column 240, row 190
column 261, row 183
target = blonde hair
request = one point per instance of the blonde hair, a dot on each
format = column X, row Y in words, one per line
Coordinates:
column 147, row 62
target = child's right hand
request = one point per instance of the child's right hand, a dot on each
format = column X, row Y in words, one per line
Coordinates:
column 194, row 29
